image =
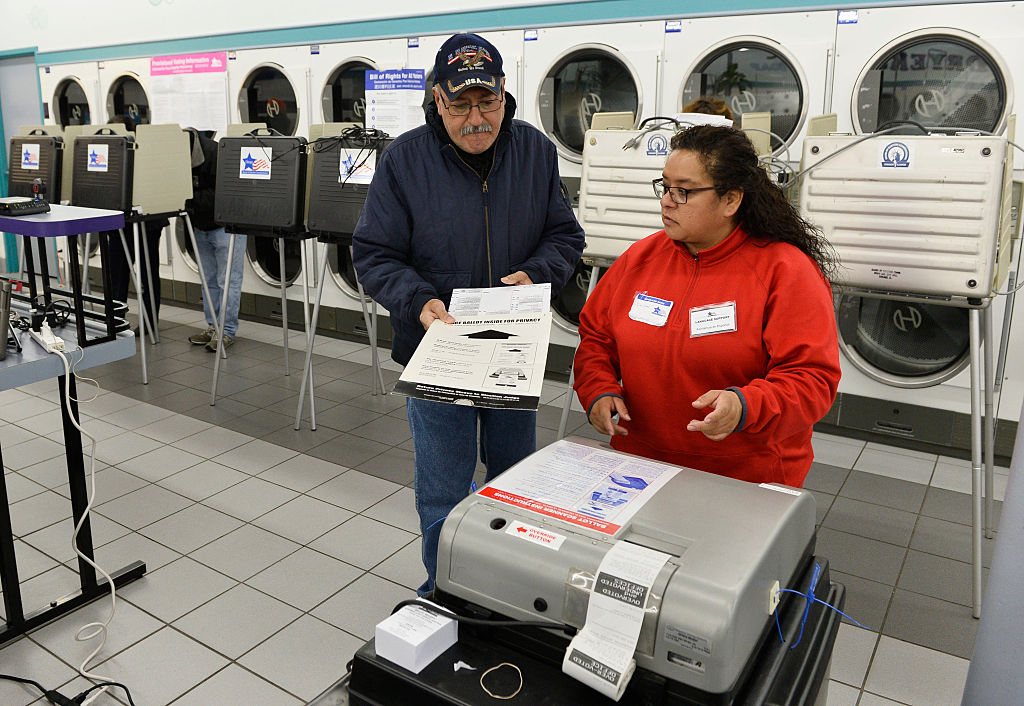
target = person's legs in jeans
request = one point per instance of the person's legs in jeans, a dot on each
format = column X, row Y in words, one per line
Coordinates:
column 234, row 276
column 444, row 437
column 206, row 247
column 213, row 248
column 507, row 436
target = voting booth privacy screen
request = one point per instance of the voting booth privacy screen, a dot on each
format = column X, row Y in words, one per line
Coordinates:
column 261, row 180
column 617, row 202
column 35, row 156
column 915, row 214
column 342, row 170
column 103, row 171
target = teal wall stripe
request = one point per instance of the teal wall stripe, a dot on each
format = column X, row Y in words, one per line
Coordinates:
column 573, row 13
column 6, row 53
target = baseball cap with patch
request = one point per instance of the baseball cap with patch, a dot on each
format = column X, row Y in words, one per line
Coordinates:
column 465, row 61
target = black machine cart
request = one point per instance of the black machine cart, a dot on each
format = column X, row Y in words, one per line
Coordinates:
column 776, row 674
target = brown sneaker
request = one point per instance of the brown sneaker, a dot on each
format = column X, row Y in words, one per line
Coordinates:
column 212, row 345
column 203, row 337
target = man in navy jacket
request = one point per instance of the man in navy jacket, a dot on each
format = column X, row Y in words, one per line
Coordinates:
column 471, row 199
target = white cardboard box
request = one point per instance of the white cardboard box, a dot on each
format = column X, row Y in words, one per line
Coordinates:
column 414, row 637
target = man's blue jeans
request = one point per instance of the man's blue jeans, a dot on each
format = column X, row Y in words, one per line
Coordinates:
column 213, row 249
column 445, row 441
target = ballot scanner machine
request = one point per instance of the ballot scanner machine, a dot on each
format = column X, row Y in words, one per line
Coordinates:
column 524, row 547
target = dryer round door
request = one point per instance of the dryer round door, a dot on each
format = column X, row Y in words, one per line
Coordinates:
column 339, row 259
column 585, row 80
column 903, row 344
column 752, row 75
column 267, row 96
column 938, row 78
column 569, row 302
column 185, row 249
column 71, row 103
column 344, row 95
column 128, row 98
column 265, row 257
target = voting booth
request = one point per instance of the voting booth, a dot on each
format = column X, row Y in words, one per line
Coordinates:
column 661, row 585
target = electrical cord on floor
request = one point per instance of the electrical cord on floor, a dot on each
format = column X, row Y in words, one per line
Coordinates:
column 102, row 686
column 483, row 622
column 98, row 628
column 51, row 695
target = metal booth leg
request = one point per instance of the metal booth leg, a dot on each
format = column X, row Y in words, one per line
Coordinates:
column 284, row 303
column 219, row 319
column 976, row 444
column 142, row 310
column 563, row 422
column 307, row 369
column 990, row 426
column 370, row 321
column 154, row 335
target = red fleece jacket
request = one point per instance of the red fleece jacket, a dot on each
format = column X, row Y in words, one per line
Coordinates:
column 783, row 356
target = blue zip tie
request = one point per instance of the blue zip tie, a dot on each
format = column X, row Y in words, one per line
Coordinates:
column 435, row 522
column 807, row 608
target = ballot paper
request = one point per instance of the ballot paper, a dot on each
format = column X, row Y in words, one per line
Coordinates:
column 492, row 356
column 485, row 301
column 601, row 654
column 581, row 482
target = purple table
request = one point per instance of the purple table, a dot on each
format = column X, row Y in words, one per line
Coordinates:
column 63, row 220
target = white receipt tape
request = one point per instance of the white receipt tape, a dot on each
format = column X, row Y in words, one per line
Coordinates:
column 601, row 654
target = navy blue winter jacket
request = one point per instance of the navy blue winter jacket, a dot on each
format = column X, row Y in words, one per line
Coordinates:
column 431, row 224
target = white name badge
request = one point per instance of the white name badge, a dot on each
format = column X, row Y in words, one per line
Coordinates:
column 713, row 318
column 650, row 310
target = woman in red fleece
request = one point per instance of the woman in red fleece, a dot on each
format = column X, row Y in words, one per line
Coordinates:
column 714, row 340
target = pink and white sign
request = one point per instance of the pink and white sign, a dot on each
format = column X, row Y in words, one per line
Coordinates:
column 209, row 63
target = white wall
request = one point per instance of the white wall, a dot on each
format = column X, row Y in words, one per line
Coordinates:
column 59, row 25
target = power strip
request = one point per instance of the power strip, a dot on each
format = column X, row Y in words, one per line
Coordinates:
column 46, row 339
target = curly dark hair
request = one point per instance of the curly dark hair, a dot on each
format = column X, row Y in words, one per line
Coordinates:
column 765, row 213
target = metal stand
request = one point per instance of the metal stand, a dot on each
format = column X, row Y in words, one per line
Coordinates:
column 307, row 368
column 982, row 442
column 596, row 265
column 218, row 321
column 17, row 622
column 371, row 327
column 154, row 334
column 370, row 320
column 143, row 315
column 284, row 303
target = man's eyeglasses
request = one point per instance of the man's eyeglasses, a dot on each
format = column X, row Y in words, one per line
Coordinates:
column 676, row 193
column 463, row 109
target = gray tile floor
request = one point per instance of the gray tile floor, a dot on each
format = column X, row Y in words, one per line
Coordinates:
column 272, row 553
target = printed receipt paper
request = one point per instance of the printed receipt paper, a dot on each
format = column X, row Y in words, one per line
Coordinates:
column 601, row 654
column 492, row 356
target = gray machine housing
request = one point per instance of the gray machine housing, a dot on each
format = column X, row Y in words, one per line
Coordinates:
column 732, row 545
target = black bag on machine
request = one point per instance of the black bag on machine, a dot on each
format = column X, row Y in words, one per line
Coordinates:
column 36, row 156
column 261, row 184
column 204, row 180
column 103, row 171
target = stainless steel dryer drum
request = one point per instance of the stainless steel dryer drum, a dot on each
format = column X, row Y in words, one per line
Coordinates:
column 71, row 103
column 128, row 98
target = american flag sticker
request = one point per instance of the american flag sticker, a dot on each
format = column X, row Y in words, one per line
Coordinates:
column 254, row 163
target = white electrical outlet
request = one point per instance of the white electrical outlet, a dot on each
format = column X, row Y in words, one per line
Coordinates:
column 773, row 598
